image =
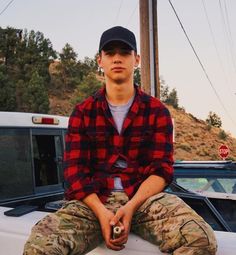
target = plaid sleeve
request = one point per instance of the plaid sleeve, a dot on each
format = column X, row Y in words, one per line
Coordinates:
column 77, row 174
column 162, row 164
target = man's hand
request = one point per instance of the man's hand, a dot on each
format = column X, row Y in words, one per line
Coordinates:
column 105, row 217
column 122, row 217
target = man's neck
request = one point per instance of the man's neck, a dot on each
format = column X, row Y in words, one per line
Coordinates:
column 119, row 94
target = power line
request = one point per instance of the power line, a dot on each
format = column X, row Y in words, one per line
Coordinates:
column 214, row 43
column 6, row 7
column 118, row 13
column 203, row 68
column 228, row 34
column 212, row 34
column 227, row 21
column 131, row 16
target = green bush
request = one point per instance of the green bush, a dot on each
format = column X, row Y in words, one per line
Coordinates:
column 214, row 120
column 169, row 97
column 88, row 86
column 222, row 135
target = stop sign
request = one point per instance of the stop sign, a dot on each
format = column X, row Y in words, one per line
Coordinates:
column 223, row 151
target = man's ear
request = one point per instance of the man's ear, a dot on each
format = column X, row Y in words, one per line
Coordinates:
column 137, row 60
column 99, row 58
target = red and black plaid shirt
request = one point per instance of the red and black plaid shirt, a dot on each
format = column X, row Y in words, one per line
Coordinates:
column 93, row 145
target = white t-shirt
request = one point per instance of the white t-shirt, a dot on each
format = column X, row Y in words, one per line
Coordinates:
column 119, row 113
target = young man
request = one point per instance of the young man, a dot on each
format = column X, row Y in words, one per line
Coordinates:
column 118, row 160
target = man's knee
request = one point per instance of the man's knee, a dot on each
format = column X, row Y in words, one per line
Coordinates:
column 42, row 245
column 199, row 236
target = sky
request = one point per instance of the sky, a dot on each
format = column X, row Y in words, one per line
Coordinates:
column 209, row 24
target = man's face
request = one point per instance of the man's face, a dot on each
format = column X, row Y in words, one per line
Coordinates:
column 118, row 61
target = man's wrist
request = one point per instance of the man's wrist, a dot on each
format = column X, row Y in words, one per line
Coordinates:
column 132, row 205
column 95, row 204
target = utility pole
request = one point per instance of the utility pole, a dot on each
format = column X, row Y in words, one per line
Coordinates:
column 149, row 47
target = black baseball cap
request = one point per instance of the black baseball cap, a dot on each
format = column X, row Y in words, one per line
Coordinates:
column 118, row 33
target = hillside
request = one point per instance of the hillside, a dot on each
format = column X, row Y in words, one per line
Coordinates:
column 193, row 139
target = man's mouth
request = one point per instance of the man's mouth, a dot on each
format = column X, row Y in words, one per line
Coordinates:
column 117, row 69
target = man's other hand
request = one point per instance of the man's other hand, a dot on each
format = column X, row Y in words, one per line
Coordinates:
column 105, row 217
column 123, row 218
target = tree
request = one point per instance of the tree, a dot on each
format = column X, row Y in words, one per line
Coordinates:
column 35, row 97
column 7, row 95
column 91, row 63
column 86, row 88
column 164, row 91
column 222, row 135
column 69, row 72
column 68, row 55
column 173, row 99
column 35, row 53
column 19, row 92
column 137, row 76
column 88, row 65
column 66, row 75
column 169, row 97
column 25, row 54
column 213, row 120
column 9, row 41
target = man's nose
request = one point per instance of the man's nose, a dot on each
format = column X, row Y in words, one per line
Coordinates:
column 116, row 61
column 117, row 58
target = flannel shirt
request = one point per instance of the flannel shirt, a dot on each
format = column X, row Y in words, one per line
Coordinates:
column 93, row 145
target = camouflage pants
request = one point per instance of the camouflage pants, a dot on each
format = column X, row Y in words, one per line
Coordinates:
column 164, row 220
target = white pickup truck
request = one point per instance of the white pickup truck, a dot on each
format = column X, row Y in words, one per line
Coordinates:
column 31, row 149
column 15, row 230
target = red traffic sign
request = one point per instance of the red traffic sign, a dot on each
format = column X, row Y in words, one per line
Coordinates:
column 223, row 151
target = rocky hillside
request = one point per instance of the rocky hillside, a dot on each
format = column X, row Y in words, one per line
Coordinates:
column 194, row 140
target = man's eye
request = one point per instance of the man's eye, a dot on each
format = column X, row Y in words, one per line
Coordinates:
column 120, row 51
column 109, row 52
column 125, row 52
